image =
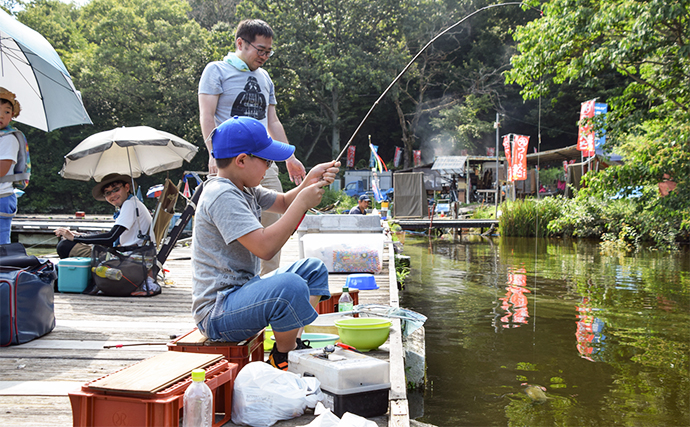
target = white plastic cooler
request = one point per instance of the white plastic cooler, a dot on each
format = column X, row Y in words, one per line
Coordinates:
column 357, row 383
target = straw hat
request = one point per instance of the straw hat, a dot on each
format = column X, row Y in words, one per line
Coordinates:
column 12, row 98
column 97, row 190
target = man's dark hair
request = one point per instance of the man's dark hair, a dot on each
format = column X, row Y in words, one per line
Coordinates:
column 249, row 29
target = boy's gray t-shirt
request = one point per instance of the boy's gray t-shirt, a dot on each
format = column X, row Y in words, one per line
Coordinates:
column 224, row 213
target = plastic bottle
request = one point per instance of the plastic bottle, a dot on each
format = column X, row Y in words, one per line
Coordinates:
column 107, row 272
column 198, row 402
column 345, row 303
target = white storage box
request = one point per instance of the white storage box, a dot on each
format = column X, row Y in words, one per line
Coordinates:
column 332, row 223
column 346, row 252
column 357, row 384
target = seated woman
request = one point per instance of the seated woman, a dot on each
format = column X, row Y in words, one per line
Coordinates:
column 132, row 220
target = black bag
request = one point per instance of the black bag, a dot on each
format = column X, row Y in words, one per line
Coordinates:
column 133, row 261
column 26, row 295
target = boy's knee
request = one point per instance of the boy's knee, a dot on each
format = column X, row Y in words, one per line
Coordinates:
column 293, row 283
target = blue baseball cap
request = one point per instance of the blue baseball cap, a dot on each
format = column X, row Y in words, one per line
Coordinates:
column 364, row 197
column 249, row 136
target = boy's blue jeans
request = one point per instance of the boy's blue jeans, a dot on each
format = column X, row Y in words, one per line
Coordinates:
column 280, row 298
column 8, row 207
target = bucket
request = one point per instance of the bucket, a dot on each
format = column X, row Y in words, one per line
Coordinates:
column 361, row 281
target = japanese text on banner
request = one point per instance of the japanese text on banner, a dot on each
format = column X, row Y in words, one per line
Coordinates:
column 585, row 134
column 520, row 143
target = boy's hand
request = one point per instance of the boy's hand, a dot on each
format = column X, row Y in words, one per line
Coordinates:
column 311, row 196
column 324, row 172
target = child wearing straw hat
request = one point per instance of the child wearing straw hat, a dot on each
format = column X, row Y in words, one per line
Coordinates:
column 9, row 150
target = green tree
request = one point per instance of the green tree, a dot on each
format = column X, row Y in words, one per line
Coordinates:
column 466, row 128
column 136, row 62
column 451, row 93
column 329, row 54
column 646, row 43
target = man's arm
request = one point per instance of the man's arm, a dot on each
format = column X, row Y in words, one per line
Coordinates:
column 207, row 112
column 277, row 132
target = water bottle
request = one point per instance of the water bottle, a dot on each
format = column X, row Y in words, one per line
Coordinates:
column 107, row 272
column 198, row 402
column 345, row 303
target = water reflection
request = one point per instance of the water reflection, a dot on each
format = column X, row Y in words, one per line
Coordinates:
column 515, row 302
column 590, row 339
column 606, row 336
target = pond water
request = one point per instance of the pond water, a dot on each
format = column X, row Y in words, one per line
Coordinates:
column 605, row 337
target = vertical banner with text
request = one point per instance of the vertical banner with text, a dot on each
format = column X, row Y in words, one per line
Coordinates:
column 372, row 157
column 519, row 166
column 351, row 156
column 417, row 157
column 585, row 133
column 506, row 148
column 398, row 156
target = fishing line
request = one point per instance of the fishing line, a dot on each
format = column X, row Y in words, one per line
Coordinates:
column 409, row 64
column 41, row 242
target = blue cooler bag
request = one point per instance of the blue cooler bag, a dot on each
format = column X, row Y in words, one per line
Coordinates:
column 26, row 296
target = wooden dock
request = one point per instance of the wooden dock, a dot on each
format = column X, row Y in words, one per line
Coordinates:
column 426, row 223
column 38, row 375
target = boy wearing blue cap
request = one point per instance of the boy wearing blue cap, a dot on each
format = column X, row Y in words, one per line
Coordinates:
column 230, row 302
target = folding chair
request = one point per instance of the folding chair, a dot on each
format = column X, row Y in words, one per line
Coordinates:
column 168, row 242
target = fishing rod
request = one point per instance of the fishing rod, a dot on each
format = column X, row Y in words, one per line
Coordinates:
column 409, row 64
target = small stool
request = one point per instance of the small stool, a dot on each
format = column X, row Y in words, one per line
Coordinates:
column 241, row 353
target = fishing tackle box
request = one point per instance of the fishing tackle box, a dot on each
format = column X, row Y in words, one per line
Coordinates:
column 356, row 383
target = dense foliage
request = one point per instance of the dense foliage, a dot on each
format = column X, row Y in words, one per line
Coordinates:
column 646, row 44
column 137, row 62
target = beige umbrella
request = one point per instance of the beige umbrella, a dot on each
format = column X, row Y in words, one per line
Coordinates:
column 127, row 150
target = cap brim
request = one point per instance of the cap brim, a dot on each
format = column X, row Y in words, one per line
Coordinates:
column 277, row 151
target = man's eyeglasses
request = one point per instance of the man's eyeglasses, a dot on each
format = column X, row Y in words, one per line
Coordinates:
column 262, row 52
column 269, row 163
column 107, row 194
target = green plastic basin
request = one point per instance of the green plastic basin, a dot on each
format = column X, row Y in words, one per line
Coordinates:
column 363, row 333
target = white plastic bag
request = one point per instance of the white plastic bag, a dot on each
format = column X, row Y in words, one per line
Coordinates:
column 326, row 418
column 264, row 395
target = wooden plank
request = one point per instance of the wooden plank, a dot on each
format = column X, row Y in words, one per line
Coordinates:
column 38, row 388
column 155, row 373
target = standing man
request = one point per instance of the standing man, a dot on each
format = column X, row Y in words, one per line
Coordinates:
column 238, row 86
column 362, row 205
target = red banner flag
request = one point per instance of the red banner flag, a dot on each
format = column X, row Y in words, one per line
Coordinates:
column 585, row 133
column 506, row 148
column 417, row 156
column 351, row 156
column 520, row 143
column 398, row 156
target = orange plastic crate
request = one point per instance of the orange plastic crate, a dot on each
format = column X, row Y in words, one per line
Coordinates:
column 92, row 407
column 241, row 353
column 331, row 305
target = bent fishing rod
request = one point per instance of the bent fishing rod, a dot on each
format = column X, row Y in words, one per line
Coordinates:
column 409, row 64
